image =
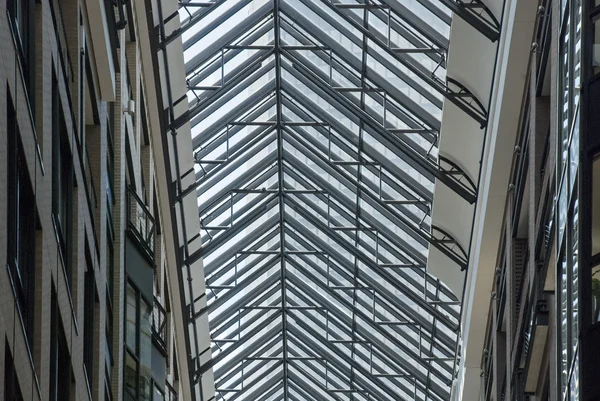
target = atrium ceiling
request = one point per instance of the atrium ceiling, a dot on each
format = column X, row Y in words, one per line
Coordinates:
column 315, row 128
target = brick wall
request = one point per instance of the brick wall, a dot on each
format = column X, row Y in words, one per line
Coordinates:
column 89, row 217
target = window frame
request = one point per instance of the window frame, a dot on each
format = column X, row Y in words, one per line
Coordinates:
column 22, row 224
column 22, row 24
column 62, row 182
column 135, row 354
column 90, row 300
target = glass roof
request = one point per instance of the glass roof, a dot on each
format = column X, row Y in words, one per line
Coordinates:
column 315, row 127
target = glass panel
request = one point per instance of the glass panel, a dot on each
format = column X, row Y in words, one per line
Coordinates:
column 131, row 328
column 596, row 206
column 131, row 373
column 562, row 209
column 574, row 152
column 158, row 395
column 596, row 51
column 574, row 384
column 145, row 350
column 341, row 170
column 576, row 49
column 575, row 274
column 596, row 293
column 565, row 103
column 564, row 325
column 110, row 263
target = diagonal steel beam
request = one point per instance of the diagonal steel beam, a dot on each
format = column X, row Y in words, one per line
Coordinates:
column 228, row 38
column 426, row 165
column 209, row 146
column 319, row 324
column 406, row 149
column 352, row 60
column 387, row 314
column 398, row 107
column 396, row 182
column 248, row 322
column 215, row 100
column 385, row 275
column 403, row 252
column 188, row 23
column 258, row 169
column 283, row 272
column 236, row 215
column 377, row 386
column 229, row 279
column 347, row 138
column 410, row 251
column 242, row 224
column 478, row 113
column 239, row 150
column 197, row 77
column 367, row 329
column 238, row 302
column 261, row 385
column 411, row 110
column 250, row 73
column 244, row 346
column 194, row 119
column 420, row 235
column 233, row 378
column 398, row 278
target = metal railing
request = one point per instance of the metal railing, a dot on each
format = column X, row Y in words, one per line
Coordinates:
column 159, row 324
column 140, row 221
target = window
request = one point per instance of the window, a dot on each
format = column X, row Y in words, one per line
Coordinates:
column 595, row 206
column 21, row 225
column 82, row 82
column 564, row 321
column 145, row 350
column 564, row 93
column 12, row 390
column 89, row 318
column 110, row 277
column 158, row 394
column 110, row 259
column 595, row 34
column 595, row 238
column 131, row 325
column 131, row 373
column 53, row 347
column 108, row 334
column 138, row 354
column 60, row 360
column 110, row 157
column 62, row 180
column 22, row 17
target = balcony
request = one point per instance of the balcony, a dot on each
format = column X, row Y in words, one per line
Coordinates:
column 140, row 222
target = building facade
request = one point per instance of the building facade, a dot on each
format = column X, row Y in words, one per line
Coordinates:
column 541, row 333
column 89, row 304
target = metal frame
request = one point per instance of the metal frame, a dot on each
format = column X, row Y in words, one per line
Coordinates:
column 315, row 162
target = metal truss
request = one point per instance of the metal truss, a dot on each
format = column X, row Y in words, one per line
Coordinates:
column 315, row 126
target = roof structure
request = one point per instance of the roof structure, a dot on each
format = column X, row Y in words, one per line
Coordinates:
column 315, row 127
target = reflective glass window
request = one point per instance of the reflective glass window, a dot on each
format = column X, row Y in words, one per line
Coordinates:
column 132, row 319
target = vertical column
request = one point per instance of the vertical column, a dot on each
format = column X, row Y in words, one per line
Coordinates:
column 119, row 214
